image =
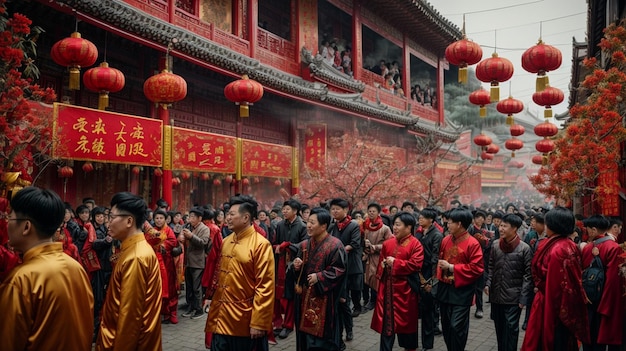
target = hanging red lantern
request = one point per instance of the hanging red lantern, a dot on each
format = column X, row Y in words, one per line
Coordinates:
column 463, row 53
column 494, row 70
column 176, row 181
column 546, row 129
column 541, row 59
column 549, row 97
column 104, row 80
column 513, row 144
column 245, row 181
column 136, row 170
column 185, row 175
column 205, row 176
column 65, row 172
column 545, row 146
column 486, row 156
column 158, row 172
column 87, row 167
column 517, row 130
column 165, row 88
column 228, row 179
column 492, row 149
column 481, row 98
column 244, row 92
column 537, row 159
column 482, row 140
column 509, row 107
column 74, row 52
column 277, row 182
column 217, row 182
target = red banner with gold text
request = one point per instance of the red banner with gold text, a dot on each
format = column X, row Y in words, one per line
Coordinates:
column 315, row 147
column 610, row 201
column 266, row 160
column 81, row 133
column 203, row 152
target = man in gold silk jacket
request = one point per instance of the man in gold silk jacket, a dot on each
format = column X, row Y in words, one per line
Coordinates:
column 243, row 302
column 132, row 308
column 47, row 300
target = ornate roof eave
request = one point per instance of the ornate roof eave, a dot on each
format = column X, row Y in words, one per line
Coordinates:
column 136, row 22
column 329, row 74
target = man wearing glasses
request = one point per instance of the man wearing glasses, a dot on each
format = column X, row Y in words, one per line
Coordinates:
column 49, row 289
column 132, row 309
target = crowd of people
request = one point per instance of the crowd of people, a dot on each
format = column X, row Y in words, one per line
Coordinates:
column 112, row 274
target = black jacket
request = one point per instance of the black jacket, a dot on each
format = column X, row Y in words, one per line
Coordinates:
column 509, row 278
column 350, row 235
column 431, row 241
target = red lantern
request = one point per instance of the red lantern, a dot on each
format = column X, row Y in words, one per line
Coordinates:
column 245, row 181
column 494, row 70
column 205, row 176
column 228, row 179
column 158, row 172
column 104, row 80
column 517, row 130
column 509, row 107
column 546, row 129
column 277, row 182
column 513, row 144
column 65, row 172
column 463, row 53
column 136, row 170
column 481, row 98
column 541, row 59
column 482, row 140
column 537, row 159
column 217, row 182
column 244, row 92
column 74, row 52
column 165, row 88
column 87, row 167
column 545, row 146
column 176, row 181
column 515, row 164
column 548, row 97
column 185, row 175
column 492, row 149
column 486, row 156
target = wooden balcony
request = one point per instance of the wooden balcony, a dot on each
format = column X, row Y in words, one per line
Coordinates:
column 277, row 52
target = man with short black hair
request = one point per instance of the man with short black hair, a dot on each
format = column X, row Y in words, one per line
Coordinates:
column 131, row 315
column 198, row 242
column 480, row 233
column 42, row 307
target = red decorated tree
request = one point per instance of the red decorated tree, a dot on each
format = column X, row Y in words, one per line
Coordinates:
column 588, row 150
column 24, row 132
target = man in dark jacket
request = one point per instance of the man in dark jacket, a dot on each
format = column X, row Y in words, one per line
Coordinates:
column 198, row 242
column 509, row 281
column 349, row 232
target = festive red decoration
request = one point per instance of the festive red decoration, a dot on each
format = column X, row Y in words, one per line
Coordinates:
column 513, row 144
column 549, row 97
column 277, row 182
column 541, row 59
column 546, row 129
column 256, row 180
column 228, row 179
column 482, row 140
column 244, row 92
column 481, row 98
column 486, row 156
column 494, row 70
column 517, row 130
column 104, row 80
column 176, row 181
column 74, row 52
column 515, row 164
column 185, row 175
column 87, row 167
column 545, row 146
column 165, row 88
column 65, row 172
column 538, row 159
column 492, row 149
column 136, row 170
column 217, row 182
column 158, row 172
column 245, row 181
column 205, row 176
column 509, row 107
column 463, row 53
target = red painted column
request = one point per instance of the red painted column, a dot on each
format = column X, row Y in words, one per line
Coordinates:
column 440, row 83
column 253, row 22
column 406, row 66
column 357, row 38
column 164, row 115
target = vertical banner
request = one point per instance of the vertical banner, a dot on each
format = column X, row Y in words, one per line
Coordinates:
column 610, row 202
column 315, row 147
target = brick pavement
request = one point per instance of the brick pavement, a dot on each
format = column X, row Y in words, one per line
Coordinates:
column 188, row 335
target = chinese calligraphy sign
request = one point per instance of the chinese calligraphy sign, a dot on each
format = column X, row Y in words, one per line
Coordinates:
column 203, row 152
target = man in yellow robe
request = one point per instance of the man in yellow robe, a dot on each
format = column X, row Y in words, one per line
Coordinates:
column 243, row 303
column 47, row 300
column 132, row 308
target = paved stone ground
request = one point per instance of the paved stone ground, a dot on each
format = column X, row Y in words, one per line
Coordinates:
column 188, row 335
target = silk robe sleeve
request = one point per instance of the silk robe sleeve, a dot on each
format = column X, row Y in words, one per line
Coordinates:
column 412, row 264
column 170, row 240
column 467, row 273
column 263, row 304
column 15, row 335
column 333, row 273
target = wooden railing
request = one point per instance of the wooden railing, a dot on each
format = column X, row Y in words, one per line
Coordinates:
column 277, row 52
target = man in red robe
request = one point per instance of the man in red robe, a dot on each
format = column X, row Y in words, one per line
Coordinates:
column 557, row 318
column 169, row 281
column 605, row 316
column 458, row 270
column 396, row 303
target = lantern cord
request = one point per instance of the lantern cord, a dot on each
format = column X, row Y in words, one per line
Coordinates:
column 495, row 40
column 540, row 30
column 106, row 37
column 463, row 28
column 76, row 25
column 510, row 85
